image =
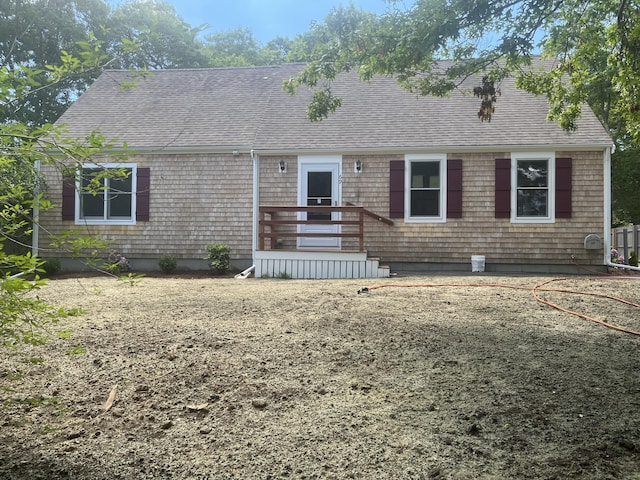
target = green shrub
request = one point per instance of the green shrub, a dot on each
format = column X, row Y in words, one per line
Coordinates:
column 633, row 258
column 52, row 266
column 167, row 263
column 218, row 258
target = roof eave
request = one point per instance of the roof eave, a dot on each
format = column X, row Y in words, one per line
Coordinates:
column 244, row 149
column 434, row 149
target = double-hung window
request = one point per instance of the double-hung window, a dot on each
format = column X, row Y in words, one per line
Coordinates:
column 106, row 199
column 533, row 178
column 425, row 192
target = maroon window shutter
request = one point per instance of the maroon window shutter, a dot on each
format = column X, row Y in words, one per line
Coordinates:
column 454, row 188
column 142, row 194
column 503, row 188
column 563, row 188
column 396, row 189
column 68, row 197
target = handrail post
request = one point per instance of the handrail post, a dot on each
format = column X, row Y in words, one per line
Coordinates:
column 261, row 230
column 361, row 229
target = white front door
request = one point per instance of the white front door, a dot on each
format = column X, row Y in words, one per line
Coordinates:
column 319, row 184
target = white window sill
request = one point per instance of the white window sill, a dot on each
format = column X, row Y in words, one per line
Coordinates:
column 425, row 220
column 105, row 222
column 529, row 220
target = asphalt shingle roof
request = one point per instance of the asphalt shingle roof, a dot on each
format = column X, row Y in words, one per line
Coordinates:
column 247, row 108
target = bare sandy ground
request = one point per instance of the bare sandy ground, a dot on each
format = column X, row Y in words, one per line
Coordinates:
column 458, row 378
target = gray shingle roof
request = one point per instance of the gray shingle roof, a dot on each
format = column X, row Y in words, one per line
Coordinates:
column 246, row 108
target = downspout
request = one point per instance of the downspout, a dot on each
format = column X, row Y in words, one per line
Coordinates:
column 256, row 204
column 35, row 233
column 607, row 214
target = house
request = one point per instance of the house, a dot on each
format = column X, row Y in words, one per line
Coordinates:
column 391, row 179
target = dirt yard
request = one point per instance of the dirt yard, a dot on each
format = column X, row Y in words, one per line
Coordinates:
column 272, row 379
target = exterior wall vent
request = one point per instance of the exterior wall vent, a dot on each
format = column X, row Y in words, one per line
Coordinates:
column 592, row 242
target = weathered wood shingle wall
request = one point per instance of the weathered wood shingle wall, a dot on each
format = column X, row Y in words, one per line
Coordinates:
column 195, row 199
column 478, row 232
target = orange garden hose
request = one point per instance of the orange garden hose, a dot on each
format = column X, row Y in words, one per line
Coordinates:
column 537, row 288
column 534, row 290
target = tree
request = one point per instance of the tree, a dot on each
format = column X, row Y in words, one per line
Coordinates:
column 23, row 316
column 32, row 35
column 239, row 48
column 626, row 186
column 495, row 37
column 148, row 34
column 27, row 141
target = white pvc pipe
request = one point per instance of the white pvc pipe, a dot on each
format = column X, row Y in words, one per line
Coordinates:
column 35, row 233
column 256, row 203
column 245, row 273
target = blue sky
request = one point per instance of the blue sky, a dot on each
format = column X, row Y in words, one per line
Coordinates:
column 267, row 19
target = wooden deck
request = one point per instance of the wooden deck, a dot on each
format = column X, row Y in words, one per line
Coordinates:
column 283, row 222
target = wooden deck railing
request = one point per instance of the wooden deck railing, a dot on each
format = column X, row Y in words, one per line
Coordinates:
column 273, row 225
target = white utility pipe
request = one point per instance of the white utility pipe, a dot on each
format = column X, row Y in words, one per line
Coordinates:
column 35, row 233
column 245, row 273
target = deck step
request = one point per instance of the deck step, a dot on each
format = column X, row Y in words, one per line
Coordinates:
column 316, row 265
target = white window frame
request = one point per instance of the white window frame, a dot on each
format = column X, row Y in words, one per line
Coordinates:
column 550, row 157
column 425, row 157
column 105, row 221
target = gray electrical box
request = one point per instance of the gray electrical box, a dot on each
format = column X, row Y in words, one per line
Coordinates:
column 592, row 242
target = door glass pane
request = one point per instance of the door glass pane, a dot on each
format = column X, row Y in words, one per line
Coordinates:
column 319, row 193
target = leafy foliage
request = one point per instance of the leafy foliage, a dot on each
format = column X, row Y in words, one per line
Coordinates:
column 24, row 318
column 239, row 48
column 168, row 263
column 625, row 179
column 594, row 44
column 147, row 34
column 24, row 147
column 38, row 42
column 218, row 258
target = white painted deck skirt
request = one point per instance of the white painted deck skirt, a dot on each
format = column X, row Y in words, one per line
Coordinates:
column 316, row 265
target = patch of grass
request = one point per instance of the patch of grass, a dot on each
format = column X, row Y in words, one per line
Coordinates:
column 40, row 401
column 14, row 376
column 35, row 360
column 77, row 350
column 280, row 275
column 65, row 334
